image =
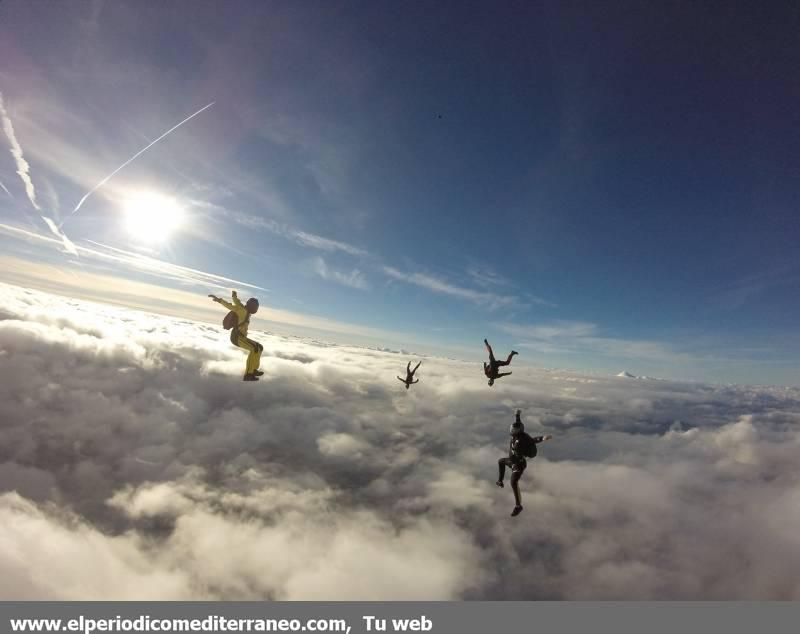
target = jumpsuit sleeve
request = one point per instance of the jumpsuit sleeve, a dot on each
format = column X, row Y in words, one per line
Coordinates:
column 227, row 305
column 538, row 439
column 237, row 302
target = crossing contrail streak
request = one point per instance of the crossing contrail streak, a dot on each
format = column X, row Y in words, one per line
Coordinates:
column 135, row 156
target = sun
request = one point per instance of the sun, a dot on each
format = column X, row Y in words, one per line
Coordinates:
column 151, row 217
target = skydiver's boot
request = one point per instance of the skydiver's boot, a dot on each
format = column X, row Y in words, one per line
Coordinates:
column 517, row 510
column 250, row 377
column 258, row 373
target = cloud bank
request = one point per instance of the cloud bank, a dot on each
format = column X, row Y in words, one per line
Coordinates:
column 134, row 464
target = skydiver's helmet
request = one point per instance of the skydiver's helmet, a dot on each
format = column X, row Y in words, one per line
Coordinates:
column 491, row 382
column 252, row 305
column 516, row 428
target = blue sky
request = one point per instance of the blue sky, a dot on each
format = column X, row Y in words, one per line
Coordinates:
column 602, row 187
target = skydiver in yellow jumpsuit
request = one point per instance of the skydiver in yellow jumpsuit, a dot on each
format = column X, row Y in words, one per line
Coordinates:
column 239, row 333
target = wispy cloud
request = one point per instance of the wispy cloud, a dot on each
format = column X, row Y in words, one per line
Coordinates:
column 142, row 263
column 353, row 279
column 302, row 238
column 487, row 277
column 743, row 290
column 552, row 330
column 325, row 244
column 437, row 285
column 23, row 169
column 579, row 337
column 163, row 269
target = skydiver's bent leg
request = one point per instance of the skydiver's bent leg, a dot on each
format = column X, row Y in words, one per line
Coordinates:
column 254, row 350
column 491, row 353
column 255, row 356
column 501, row 466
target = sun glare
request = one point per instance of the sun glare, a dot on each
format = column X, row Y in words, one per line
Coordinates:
column 151, row 217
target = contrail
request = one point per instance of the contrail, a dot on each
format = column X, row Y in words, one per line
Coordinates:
column 19, row 159
column 5, row 189
column 69, row 247
column 23, row 169
column 139, row 153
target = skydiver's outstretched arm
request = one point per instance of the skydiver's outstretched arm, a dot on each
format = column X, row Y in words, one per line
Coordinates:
column 501, row 374
column 401, row 380
column 219, row 300
column 413, row 382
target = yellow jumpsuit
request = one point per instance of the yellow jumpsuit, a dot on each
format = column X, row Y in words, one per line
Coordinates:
column 239, row 335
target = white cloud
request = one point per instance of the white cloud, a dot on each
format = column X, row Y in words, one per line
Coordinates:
column 353, row 279
column 443, row 287
column 134, row 464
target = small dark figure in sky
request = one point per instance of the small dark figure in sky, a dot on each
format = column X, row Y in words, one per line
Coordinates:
column 409, row 380
column 520, row 447
column 490, row 369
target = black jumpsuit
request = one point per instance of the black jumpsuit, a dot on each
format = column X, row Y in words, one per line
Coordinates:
column 516, row 462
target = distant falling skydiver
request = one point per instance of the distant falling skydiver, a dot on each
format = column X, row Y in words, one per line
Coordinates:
column 409, row 380
column 237, row 321
column 490, row 369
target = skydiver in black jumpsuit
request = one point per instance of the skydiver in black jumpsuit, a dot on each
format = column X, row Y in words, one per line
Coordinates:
column 516, row 460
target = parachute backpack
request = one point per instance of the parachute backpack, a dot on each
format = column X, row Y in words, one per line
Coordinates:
column 527, row 446
column 231, row 321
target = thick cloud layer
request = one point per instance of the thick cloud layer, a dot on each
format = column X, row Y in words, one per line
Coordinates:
column 135, row 464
